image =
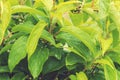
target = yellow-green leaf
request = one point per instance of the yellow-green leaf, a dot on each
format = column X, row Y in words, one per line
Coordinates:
column 81, row 76
column 65, row 7
column 48, row 4
column 34, row 37
column 105, row 44
column 19, row 8
column 105, row 61
column 110, row 73
column 4, row 17
column 115, row 15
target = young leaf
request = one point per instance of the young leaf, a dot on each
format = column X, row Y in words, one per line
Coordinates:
column 29, row 3
column 91, row 13
column 81, row 76
column 18, row 52
column 5, row 17
column 105, row 44
column 34, row 37
column 65, row 7
column 48, row 4
column 37, row 60
column 14, row 2
column 114, row 15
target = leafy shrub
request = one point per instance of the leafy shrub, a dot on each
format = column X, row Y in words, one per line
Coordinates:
column 59, row 40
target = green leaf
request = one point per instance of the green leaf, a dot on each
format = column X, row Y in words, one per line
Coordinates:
column 114, row 15
column 18, row 52
column 53, row 64
column 81, row 76
column 105, row 44
column 77, row 19
column 47, row 36
column 56, row 52
column 14, row 2
column 19, row 8
column 37, row 60
column 27, row 28
column 4, row 69
column 16, row 35
column 115, row 35
column 82, row 36
column 118, row 72
column 76, row 45
column 24, row 27
column 29, row 3
column 48, row 4
column 72, row 77
column 105, row 61
column 18, row 76
column 103, row 8
column 98, row 75
column 64, row 7
column 110, row 73
column 115, row 56
column 34, row 37
column 72, row 59
column 4, row 77
column 5, row 48
column 5, row 17
column 91, row 13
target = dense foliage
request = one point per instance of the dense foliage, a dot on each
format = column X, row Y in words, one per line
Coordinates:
column 59, row 40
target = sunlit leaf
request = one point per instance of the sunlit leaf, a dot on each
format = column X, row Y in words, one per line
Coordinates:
column 114, row 15
column 72, row 77
column 19, row 8
column 105, row 61
column 34, row 37
column 105, row 44
column 81, row 76
column 4, row 18
column 48, row 4
column 110, row 74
